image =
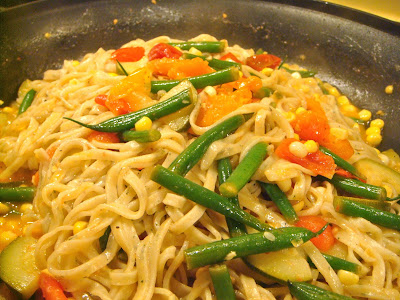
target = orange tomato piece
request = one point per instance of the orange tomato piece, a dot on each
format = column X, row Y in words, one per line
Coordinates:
column 325, row 240
column 128, row 54
column 180, row 68
column 104, row 137
column 230, row 56
column 163, row 50
column 51, row 288
column 253, row 83
column 317, row 162
column 261, row 61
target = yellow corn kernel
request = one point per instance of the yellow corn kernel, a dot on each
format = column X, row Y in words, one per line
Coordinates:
column 75, row 63
column 373, row 130
column 240, row 74
column 25, row 207
column 144, row 123
column 300, row 110
column 290, row 116
column 267, row 71
column 311, row 146
column 4, row 209
column 298, row 149
column 8, row 110
column 195, row 51
column 374, row 139
column 389, row 89
column 1, row 102
column 333, row 91
column 296, row 136
column 112, row 74
column 74, row 81
column 339, row 133
column 79, row 226
column 348, row 278
column 47, row 35
column 209, row 90
column 349, row 108
column 377, row 123
column 365, row 115
column 298, row 206
column 343, row 100
column 7, row 237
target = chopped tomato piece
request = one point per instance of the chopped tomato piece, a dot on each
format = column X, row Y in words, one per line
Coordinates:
column 317, row 162
column 347, row 174
column 253, row 83
column 325, row 240
column 104, row 137
column 230, row 56
column 128, row 54
column 180, row 68
column 163, row 50
column 261, row 61
column 101, row 99
column 51, row 288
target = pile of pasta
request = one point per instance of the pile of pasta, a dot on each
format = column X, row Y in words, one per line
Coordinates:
column 105, row 184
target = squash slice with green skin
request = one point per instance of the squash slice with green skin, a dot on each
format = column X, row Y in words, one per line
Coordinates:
column 18, row 268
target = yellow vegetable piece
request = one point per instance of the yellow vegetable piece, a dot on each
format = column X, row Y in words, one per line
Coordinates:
column 79, row 226
column 144, row 123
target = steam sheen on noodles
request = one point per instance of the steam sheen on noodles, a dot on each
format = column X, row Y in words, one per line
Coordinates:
column 109, row 185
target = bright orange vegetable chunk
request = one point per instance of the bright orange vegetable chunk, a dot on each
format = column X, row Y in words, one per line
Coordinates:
column 261, row 61
column 325, row 240
column 180, row 68
column 51, row 288
column 317, row 162
column 230, row 56
column 103, row 137
column 128, row 54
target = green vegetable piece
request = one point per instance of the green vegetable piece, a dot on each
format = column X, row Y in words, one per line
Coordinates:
column 222, row 282
column 323, row 88
column 358, row 188
column 263, row 92
column 143, row 136
column 280, row 200
column 243, row 172
column 27, row 101
column 195, row 151
column 303, row 73
column 307, row 291
column 199, row 82
column 249, row 244
column 203, row 196
column 18, row 268
column 120, row 69
column 103, row 240
column 340, row 162
column 154, row 112
column 358, row 121
column 338, row 264
column 206, row 46
column 216, row 64
column 382, row 205
column 374, row 215
column 17, row 194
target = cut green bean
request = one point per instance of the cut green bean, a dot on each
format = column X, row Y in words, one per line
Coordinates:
column 244, row 171
column 199, row 82
column 224, row 171
column 27, row 101
column 154, row 112
column 103, row 240
column 216, row 64
column 338, row 264
column 323, row 88
column 195, row 151
column 358, row 121
column 307, row 291
column 382, row 205
column 303, row 73
column 205, row 197
column 222, row 282
column 340, row 162
column 142, row 136
column 248, row 244
column 263, row 92
column 17, row 194
column 206, row 46
column 281, row 201
column 374, row 215
column 358, row 188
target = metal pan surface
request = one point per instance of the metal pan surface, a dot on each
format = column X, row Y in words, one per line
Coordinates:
column 357, row 52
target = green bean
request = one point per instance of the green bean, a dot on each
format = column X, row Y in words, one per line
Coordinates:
column 244, row 171
column 358, row 121
column 341, row 162
column 222, row 282
column 307, row 291
column 280, row 200
column 245, row 245
column 338, row 264
column 103, row 240
column 143, row 136
column 195, row 151
column 27, row 101
column 303, row 73
column 205, row 197
column 156, row 111
column 122, row 68
column 374, row 215
column 199, row 82
column 359, row 188
column 206, row 46
column 263, row 92
column 382, row 205
column 17, row 194
column 216, row 64
column 224, row 171
column 323, row 88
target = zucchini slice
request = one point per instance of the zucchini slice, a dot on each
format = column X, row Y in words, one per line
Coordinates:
column 282, row 265
column 378, row 173
column 18, row 268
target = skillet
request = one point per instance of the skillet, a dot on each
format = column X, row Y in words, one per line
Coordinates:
column 357, row 52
